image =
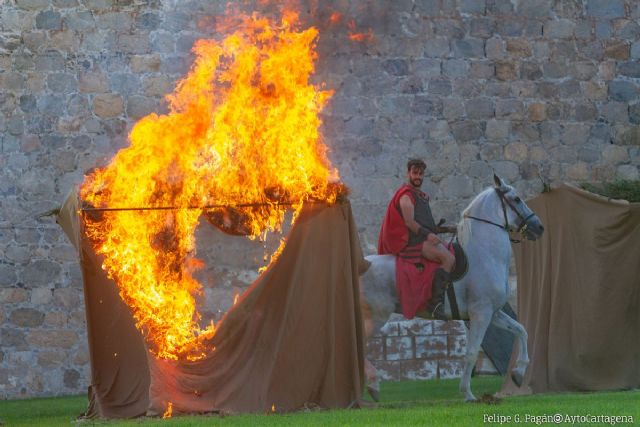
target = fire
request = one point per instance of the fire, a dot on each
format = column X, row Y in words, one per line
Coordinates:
column 359, row 37
column 169, row 411
column 240, row 144
column 335, row 18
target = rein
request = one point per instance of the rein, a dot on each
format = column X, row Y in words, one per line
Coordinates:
column 524, row 220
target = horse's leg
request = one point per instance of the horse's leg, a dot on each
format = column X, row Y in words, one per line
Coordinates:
column 503, row 321
column 478, row 324
column 370, row 371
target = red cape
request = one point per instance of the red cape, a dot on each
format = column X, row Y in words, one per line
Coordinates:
column 394, row 234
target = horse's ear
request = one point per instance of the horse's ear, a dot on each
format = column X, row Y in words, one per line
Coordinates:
column 497, row 180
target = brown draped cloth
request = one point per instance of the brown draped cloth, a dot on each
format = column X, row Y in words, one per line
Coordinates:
column 294, row 339
column 579, row 294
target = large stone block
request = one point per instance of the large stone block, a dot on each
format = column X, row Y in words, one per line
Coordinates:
column 585, row 112
column 32, row 4
column 497, row 130
column 390, row 329
column 116, row 21
column 71, row 378
column 506, row 169
column 607, row 9
column 98, row 5
column 480, row 108
column 635, row 50
column 10, row 337
column 614, row 154
column 475, row 7
column 157, row 86
column 399, row 348
column 148, row 21
column 450, row 368
column 509, row 109
column 426, row 106
column 41, row 296
column 455, row 68
column 436, row 47
column 145, row 63
column 415, row 327
column 13, row 295
column 519, row 47
column 457, row 186
column 63, row 83
column 516, row 152
column 52, row 358
column 495, row 48
column 617, row 50
column 468, row 48
column 92, row 82
column 49, row 20
column 79, row 20
column 108, row 105
column 578, row 172
column 506, row 70
column 41, row 273
column 466, row 131
column 457, row 345
column 628, row 172
column 623, row 90
column 26, row 317
column 629, row 68
column 532, row 9
column 133, row 43
column 482, row 27
column 482, row 69
column 431, row 347
column 59, row 338
column 576, row 133
column 8, row 275
column 559, row 28
column 407, row 370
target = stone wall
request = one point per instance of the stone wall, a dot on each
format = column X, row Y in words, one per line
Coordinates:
column 521, row 87
column 419, row 349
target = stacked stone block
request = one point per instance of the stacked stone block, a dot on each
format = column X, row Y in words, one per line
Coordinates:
column 523, row 88
column 419, row 349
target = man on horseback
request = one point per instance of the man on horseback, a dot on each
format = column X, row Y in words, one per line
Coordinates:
column 409, row 231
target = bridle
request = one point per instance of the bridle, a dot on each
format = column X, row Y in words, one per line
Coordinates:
column 504, row 202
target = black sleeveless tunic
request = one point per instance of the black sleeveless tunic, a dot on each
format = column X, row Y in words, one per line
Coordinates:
column 423, row 216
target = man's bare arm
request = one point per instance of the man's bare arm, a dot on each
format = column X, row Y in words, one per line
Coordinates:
column 408, row 210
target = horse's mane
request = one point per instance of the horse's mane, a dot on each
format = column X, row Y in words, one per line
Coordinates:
column 464, row 227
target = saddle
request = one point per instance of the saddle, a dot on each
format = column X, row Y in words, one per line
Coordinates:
column 462, row 263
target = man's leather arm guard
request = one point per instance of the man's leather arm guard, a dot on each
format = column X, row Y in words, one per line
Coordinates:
column 422, row 231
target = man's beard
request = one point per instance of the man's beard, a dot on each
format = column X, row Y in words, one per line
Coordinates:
column 416, row 182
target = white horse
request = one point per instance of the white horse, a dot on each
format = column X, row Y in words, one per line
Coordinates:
column 483, row 233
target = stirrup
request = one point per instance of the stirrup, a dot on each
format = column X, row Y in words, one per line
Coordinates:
column 440, row 315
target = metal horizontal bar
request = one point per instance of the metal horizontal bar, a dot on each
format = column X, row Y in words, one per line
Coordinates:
column 165, row 208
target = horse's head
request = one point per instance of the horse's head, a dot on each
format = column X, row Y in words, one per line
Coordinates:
column 518, row 216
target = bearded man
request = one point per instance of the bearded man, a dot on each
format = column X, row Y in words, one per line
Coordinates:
column 409, row 233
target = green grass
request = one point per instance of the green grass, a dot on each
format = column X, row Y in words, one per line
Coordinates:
column 618, row 189
column 403, row 403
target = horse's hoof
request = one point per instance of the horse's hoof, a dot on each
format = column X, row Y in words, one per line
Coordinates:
column 374, row 393
column 517, row 378
column 470, row 399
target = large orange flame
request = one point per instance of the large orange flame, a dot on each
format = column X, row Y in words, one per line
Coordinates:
column 241, row 138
